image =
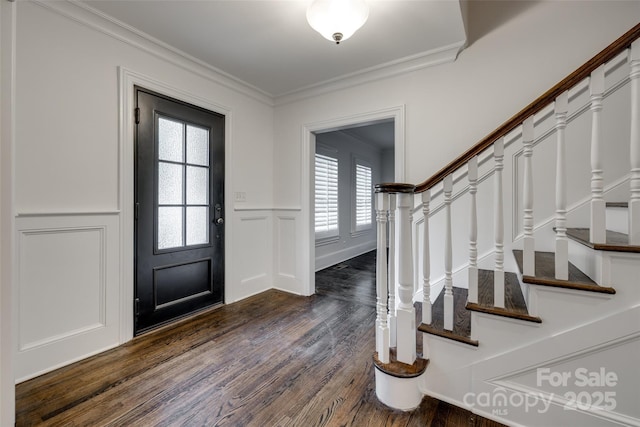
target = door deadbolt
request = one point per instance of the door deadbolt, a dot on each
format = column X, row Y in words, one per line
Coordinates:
column 218, row 220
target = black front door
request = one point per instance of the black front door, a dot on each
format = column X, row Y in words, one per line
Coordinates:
column 179, row 206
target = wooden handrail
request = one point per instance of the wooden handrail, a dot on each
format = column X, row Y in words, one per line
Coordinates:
column 394, row 187
column 536, row 106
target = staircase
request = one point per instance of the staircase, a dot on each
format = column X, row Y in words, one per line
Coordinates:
column 527, row 252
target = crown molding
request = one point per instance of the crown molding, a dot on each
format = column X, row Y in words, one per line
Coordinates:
column 99, row 21
column 394, row 68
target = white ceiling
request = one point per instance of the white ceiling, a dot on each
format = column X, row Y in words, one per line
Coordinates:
column 380, row 135
column 268, row 44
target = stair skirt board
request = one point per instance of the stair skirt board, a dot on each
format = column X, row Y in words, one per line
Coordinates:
column 523, row 374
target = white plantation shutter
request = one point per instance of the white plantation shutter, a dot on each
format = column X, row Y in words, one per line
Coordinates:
column 363, row 196
column 326, row 196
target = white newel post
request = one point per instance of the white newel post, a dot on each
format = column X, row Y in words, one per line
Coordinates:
column 528, row 254
column 426, row 266
column 498, row 274
column 405, row 312
column 634, row 200
column 562, row 244
column 472, row 174
column 448, row 256
column 392, row 270
column 382, row 328
column 597, row 225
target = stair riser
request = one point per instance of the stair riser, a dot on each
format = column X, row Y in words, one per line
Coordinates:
column 618, row 220
column 560, row 310
column 589, row 261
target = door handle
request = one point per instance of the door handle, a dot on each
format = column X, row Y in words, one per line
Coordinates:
column 220, row 221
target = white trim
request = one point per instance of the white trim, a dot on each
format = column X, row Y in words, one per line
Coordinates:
column 394, row 68
column 29, row 214
column 307, row 161
column 102, row 279
column 84, row 14
column 592, row 335
column 326, row 261
column 266, row 208
column 127, row 79
column 8, row 323
column 96, row 20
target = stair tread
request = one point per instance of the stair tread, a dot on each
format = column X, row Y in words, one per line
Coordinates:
column 615, row 241
column 545, row 274
column 462, row 318
column 515, row 305
column 399, row 369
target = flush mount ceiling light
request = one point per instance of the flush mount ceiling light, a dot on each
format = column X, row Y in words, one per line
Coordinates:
column 337, row 20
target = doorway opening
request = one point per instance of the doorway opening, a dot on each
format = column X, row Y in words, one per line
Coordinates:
column 325, row 140
column 348, row 163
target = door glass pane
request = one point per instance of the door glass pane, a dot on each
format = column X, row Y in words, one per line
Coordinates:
column 197, row 225
column 197, row 146
column 169, row 183
column 170, row 140
column 169, row 227
column 197, row 185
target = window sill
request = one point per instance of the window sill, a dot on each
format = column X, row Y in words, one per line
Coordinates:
column 358, row 233
column 327, row 240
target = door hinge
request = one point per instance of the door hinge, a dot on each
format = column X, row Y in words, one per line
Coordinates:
column 137, row 115
column 136, row 306
column 135, row 210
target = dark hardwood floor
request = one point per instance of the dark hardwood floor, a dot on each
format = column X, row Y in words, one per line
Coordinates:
column 353, row 280
column 274, row 359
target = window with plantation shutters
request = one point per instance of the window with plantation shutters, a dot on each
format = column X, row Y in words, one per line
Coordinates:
column 326, row 198
column 363, row 196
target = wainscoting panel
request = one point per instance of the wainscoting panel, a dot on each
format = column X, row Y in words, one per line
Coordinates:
column 67, row 289
column 289, row 252
column 253, row 263
column 286, row 247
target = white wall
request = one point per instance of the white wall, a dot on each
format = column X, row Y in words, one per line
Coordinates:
column 7, row 77
column 73, row 179
column 451, row 106
column 349, row 243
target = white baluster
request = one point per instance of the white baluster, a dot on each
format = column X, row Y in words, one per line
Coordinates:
column 529, row 266
column 426, row 266
column 634, row 201
column 597, row 226
column 472, row 174
column 498, row 274
column 562, row 245
column 405, row 312
column 382, row 328
column 448, row 280
column 392, row 271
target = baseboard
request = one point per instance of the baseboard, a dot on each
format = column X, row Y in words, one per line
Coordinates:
column 336, row 257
